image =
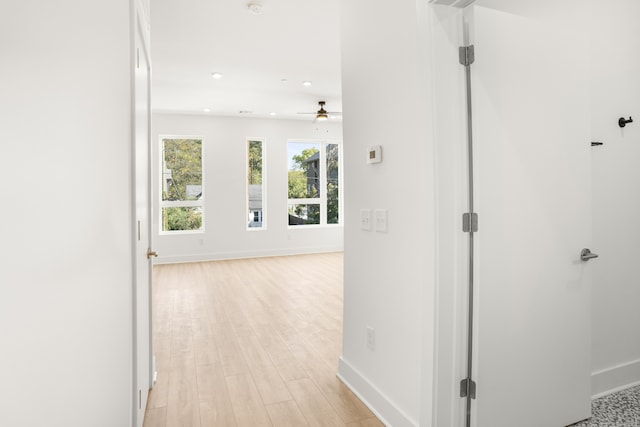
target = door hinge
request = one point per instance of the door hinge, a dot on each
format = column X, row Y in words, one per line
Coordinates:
column 468, row 388
column 470, row 222
column 467, row 55
column 137, row 57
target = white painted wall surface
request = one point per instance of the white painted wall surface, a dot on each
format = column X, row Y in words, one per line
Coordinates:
column 389, row 276
column 224, row 161
column 373, row 54
column 615, row 68
column 65, row 222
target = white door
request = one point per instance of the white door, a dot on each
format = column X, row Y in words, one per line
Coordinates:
column 142, row 293
column 532, row 148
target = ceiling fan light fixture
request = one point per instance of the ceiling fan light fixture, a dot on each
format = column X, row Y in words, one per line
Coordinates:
column 322, row 114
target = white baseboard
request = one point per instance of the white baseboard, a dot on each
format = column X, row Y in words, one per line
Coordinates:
column 615, row 379
column 219, row 256
column 383, row 408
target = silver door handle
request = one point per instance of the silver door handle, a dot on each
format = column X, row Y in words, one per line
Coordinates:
column 586, row 255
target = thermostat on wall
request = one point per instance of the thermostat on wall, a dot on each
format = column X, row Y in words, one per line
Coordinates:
column 374, row 154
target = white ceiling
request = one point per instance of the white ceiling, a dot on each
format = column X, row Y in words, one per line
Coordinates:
column 296, row 40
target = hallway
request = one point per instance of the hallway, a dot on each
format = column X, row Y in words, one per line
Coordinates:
column 252, row 342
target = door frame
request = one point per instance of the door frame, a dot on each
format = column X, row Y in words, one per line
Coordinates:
column 450, row 135
column 140, row 27
column 446, row 36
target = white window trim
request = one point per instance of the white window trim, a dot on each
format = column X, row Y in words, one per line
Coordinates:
column 177, row 203
column 322, row 200
column 264, row 182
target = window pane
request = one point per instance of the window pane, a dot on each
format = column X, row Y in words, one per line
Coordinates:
column 254, row 180
column 304, row 214
column 181, row 169
column 333, row 205
column 182, row 219
column 304, row 170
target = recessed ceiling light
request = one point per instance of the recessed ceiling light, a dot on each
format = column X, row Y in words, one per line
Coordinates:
column 255, row 7
column 207, row 110
column 272, row 113
column 216, row 75
column 306, row 83
column 284, row 81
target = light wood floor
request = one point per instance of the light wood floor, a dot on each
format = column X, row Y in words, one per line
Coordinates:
column 251, row 343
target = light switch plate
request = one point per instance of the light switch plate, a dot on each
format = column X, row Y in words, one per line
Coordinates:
column 365, row 219
column 381, row 220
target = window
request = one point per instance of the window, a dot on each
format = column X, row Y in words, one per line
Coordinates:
column 314, row 183
column 255, row 185
column 182, row 191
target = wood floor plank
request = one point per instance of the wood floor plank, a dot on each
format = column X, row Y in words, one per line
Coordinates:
column 283, row 359
column 313, row 405
column 267, row 379
column 183, row 409
column 251, row 343
column 229, row 350
column 246, row 402
column 200, row 326
column 215, row 402
column 156, row 417
column 214, row 414
column 286, row 414
column 206, row 350
column 370, row 422
column 348, row 406
column 159, row 395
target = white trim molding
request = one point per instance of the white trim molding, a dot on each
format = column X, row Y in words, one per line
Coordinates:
column 615, row 378
column 383, row 408
column 220, row 256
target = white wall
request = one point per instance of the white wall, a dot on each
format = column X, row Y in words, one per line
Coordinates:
column 388, row 276
column 383, row 276
column 224, row 153
column 65, row 222
column 615, row 68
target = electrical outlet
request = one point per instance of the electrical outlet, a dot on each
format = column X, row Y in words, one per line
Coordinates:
column 371, row 338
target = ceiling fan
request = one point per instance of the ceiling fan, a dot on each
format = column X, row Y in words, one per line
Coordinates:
column 322, row 114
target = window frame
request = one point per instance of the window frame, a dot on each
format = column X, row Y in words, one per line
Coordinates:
column 180, row 203
column 264, row 183
column 322, row 199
